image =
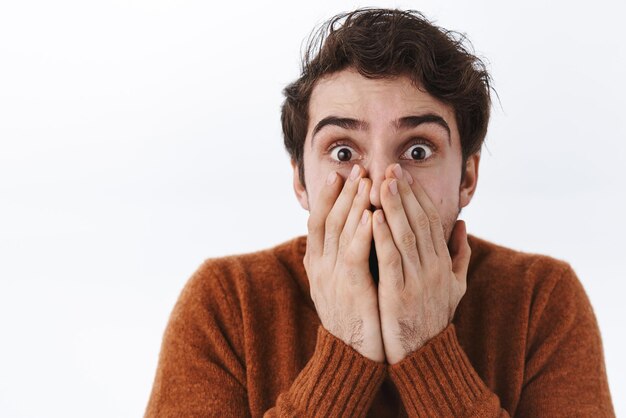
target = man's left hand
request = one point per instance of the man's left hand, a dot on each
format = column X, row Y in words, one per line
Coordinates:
column 421, row 281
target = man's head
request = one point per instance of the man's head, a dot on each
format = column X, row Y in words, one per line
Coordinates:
column 389, row 87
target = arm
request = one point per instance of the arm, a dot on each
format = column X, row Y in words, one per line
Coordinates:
column 202, row 371
column 438, row 379
column 564, row 372
column 337, row 381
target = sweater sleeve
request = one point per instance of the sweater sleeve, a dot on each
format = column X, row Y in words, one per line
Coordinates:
column 336, row 382
column 439, row 380
column 564, row 371
column 202, row 370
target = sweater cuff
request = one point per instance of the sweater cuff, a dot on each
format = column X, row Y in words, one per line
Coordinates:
column 337, row 380
column 438, row 378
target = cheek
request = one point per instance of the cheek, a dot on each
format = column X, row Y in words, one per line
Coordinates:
column 315, row 181
column 446, row 200
column 312, row 194
column 444, row 196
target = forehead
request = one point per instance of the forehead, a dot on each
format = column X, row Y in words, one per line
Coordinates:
column 348, row 94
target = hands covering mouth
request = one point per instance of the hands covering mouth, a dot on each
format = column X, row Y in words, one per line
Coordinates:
column 400, row 247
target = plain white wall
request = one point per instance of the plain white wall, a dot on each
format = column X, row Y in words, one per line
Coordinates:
column 138, row 138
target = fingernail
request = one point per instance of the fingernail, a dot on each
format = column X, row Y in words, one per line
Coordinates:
column 393, row 186
column 331, row 178
column 361, row 186
column 355, row 172
column 409, row 177
column 397, row 170
column 364, row 217
column 380, row 217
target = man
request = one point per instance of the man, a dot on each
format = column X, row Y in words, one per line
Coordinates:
column 387, row 307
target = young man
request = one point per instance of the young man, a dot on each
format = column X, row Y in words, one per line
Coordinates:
column 387, row 307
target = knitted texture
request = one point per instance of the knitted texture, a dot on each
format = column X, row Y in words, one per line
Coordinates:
column 244, row 340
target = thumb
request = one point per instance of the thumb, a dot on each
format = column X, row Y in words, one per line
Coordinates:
column 460, row 250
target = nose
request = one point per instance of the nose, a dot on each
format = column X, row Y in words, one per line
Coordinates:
column 376, row 170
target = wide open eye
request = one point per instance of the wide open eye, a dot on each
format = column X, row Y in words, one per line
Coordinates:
column 341, row 153
column 419, row 152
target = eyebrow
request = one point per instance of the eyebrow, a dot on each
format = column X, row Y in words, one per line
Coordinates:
column 406, row 122
column 409, row 122
column 345, row 123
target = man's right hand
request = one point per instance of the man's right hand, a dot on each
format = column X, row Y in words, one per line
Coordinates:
column 337, row 263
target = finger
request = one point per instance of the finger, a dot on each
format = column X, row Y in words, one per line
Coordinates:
column 434, row 219
column 417, row 217
column 319, row 212
column 358, row 250
column 359, row 204
column 338, row 215
column 403, row 234
column 460, row 251
column 391, row 274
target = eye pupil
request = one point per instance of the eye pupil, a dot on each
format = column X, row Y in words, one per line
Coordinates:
column 344, row 154
column 418, row 153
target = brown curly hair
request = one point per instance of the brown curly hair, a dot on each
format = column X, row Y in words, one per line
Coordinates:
column 381, row 43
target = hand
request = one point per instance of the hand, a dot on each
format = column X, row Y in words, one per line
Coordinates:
column 421, row 282
column 337, row 264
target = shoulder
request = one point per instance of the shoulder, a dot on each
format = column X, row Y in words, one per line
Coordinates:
column 491, row 262
column 523, row 277
column 527, row 291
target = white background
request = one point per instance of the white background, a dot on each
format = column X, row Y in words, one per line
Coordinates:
column 138, row 138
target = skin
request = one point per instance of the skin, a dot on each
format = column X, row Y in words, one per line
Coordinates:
column 422, row 249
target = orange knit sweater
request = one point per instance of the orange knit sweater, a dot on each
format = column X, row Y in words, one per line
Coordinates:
column 244, row 339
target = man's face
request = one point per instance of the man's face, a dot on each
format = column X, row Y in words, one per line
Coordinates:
column 379, row 122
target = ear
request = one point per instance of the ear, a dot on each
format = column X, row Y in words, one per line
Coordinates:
column 470, row 180
column 301, row 193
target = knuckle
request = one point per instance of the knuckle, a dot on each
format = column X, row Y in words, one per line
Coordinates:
column 397, row 283
column 407, row 240
column 413, row 256
column 394, row 264
column 394, row 275
column 350, row 259
column 434, row 217
column 422, row 221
